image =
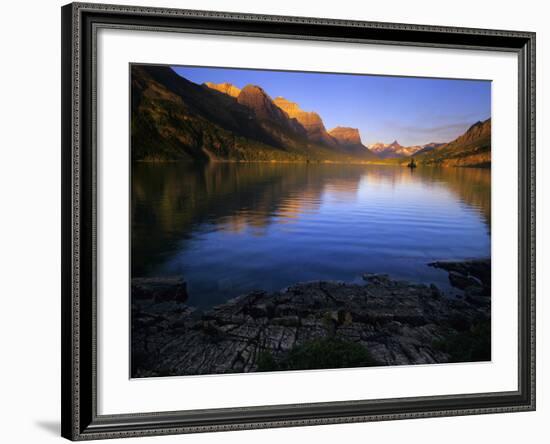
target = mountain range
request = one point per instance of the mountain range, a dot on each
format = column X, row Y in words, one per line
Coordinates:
column 396, row 150
column 175, row 119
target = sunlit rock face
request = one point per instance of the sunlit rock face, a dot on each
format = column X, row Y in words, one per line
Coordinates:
column 477, row 131
column 349, row 142
column 310, row 120
column 345, row 135
column 226, row 88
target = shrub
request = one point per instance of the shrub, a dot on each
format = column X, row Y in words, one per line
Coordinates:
column 319, row 354
column 470, row 345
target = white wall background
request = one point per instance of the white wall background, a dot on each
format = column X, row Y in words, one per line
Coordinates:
column 30, row 222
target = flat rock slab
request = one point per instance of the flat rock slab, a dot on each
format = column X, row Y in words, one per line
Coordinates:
column 397, row 322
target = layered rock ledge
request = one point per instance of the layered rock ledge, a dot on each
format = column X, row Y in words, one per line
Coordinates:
column 313, row 325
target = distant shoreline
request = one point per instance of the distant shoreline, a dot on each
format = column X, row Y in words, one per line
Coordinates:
column 401, row 163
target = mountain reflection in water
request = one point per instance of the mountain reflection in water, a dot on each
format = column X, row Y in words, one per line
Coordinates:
column 229, row 228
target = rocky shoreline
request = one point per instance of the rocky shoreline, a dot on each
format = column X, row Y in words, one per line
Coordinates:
column 313, row 325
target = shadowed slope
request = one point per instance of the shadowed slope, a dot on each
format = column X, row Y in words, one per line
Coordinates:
column 473, row 148
column 175, row 119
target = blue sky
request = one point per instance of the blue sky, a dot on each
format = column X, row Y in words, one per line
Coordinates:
column 411, row 110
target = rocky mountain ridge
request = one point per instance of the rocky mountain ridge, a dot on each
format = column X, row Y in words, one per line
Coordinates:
column 396, row 150
column 175, row 119
column 349, row 140
column 311, row 121
column 226, row 88
column 346, row 136
column 289, row 115
column 471, row 149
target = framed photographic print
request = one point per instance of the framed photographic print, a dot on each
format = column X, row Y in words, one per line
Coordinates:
column 280, row 221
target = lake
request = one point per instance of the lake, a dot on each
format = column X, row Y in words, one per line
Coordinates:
column 230, row 228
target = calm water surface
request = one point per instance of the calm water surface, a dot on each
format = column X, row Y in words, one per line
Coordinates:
column 231, row 228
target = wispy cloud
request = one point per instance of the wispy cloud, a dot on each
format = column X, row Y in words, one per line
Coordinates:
column 415, row 130
column 420, row 134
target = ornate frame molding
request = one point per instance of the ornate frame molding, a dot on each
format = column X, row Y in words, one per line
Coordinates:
column 80, row 22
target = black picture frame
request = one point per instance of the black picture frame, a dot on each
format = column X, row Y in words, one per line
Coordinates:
column 79, row 392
